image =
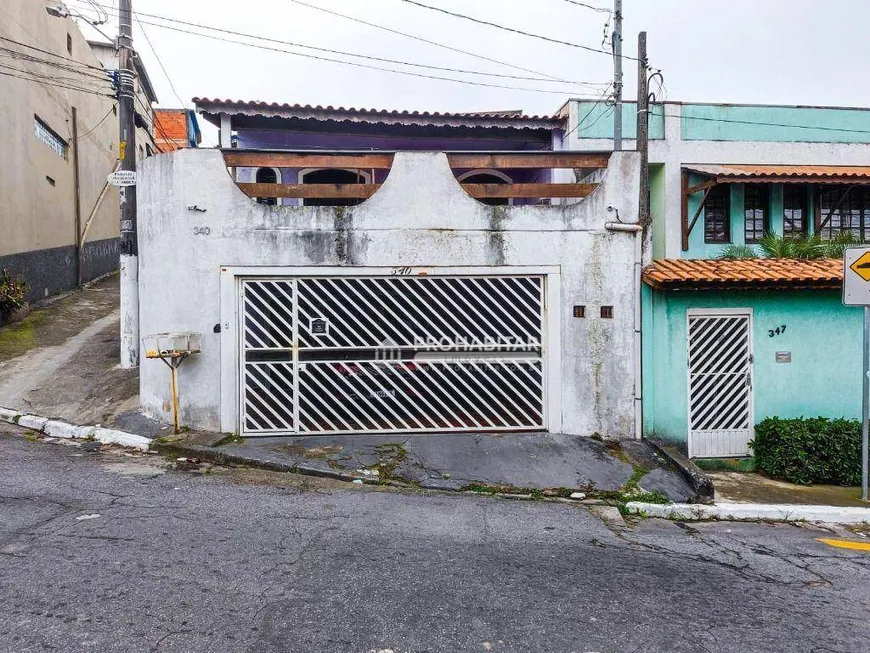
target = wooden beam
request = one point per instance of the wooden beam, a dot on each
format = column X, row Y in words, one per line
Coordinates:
column 497, row 191
column 362, row 161
column 311, row 191
column 364, row 191
column 702, row 186
column 684, row 209
column 529, row 160
column 698, row 212
column 384, row 160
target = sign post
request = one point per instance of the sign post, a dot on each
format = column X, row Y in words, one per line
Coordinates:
column 856, row 292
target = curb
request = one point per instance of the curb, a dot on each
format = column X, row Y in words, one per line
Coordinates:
column 694, row 475
column 218, row 457
column 57, row 429
column 751, row 512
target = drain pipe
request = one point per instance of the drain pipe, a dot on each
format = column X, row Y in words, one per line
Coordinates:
column 637, row 230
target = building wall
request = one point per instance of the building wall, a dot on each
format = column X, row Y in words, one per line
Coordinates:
column 420, row 217
column 37, row 218
column 823, row 336
column 709, row 133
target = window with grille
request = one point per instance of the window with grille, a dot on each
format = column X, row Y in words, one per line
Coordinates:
column 45, row 134
column 756, row 205
column 717, row 228
column 843, row 209
column 794, row 210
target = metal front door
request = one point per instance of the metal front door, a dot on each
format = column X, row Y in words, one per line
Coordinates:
column 392, row 353
column 720, row 383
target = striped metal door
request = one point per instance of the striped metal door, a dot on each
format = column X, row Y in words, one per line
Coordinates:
column 392, row 353
column 720, row 383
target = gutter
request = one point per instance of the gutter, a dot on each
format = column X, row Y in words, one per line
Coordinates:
column 637, row 230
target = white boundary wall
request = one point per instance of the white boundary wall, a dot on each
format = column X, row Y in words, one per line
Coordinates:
column 420, row 218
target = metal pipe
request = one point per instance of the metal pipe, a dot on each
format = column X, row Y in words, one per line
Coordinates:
column 637, row 343
column 865, row 406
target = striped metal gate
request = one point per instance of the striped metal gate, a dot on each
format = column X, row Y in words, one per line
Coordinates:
column 392, row 353
column 720, row 383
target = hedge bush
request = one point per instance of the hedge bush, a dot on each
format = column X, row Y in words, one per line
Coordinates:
column 809, row 450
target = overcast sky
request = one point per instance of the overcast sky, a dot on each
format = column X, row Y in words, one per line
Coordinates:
column 748, row 51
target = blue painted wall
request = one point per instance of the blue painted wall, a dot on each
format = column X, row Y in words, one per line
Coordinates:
column 823, row 336
column 707, row 122
column 596, row 120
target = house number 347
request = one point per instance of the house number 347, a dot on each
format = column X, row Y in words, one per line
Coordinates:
column 778, row 331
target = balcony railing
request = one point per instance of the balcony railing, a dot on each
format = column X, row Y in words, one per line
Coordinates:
column 368, row 161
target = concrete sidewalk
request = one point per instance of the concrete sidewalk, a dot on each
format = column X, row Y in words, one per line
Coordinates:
column 512, row 463
column 61, row 362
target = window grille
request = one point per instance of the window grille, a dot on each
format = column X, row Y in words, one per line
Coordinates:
column 45, row 134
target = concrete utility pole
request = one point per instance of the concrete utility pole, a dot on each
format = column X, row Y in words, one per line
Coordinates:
column 128, row 245
column 617, row 74
column 643, row 128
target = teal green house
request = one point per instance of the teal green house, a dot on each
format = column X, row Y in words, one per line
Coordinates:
column 726, row 343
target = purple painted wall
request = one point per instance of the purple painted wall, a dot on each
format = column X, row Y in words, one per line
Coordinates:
column 383, row 139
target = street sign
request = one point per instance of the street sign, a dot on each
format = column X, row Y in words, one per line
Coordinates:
column 122, row 178
column 856, row 276
column 856, row 292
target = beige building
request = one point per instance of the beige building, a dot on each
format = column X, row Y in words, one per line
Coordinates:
column 59, row 129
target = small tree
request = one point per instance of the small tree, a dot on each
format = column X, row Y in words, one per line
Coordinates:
column 13, row 292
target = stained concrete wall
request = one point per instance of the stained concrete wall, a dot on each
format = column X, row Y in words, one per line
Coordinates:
column 37, row 190
column 419, row 217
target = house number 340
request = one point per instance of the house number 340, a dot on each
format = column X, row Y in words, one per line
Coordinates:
column 778, row 331
column 201, row 231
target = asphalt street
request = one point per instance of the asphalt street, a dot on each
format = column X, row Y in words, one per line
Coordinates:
column 101, row 551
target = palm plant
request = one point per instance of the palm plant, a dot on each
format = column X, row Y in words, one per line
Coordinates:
column 805, row 247
column 737, row 252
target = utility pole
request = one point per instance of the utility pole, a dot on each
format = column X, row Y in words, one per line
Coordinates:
column 128, row 246
column 616, row 44
column 643, row 128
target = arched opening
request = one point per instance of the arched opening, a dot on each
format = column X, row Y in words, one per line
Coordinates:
column 267, row 176
column 332, row 176
column 487, row 177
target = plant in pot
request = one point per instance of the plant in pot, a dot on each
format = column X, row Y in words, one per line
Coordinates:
column 13, row 302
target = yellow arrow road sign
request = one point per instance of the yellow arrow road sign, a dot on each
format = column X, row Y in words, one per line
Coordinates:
column 861, row 266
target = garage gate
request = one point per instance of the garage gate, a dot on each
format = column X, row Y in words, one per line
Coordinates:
column 392, row 354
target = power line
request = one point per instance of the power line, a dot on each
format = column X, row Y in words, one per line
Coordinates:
column 33, row 47
column 356, row 64
column 85, row 76
column 541, row 76
column 48, row 83
column 588, row 113
column 583, row 4
column 479, row 21
column 157, row 56
column 52, row 77
column 95, row 127
column 425, row 40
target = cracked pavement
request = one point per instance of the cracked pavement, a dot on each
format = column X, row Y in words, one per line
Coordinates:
column 248, row 560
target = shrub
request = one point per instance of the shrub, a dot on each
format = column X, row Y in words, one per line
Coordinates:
column 811, row 450
column 12, row 292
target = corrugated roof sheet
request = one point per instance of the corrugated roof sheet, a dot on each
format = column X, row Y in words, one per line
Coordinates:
column 512, row 118
column 820, row 173
column 745, row 273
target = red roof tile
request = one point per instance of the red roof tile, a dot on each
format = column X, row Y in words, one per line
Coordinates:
column 744, row 273
column 741, row 172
